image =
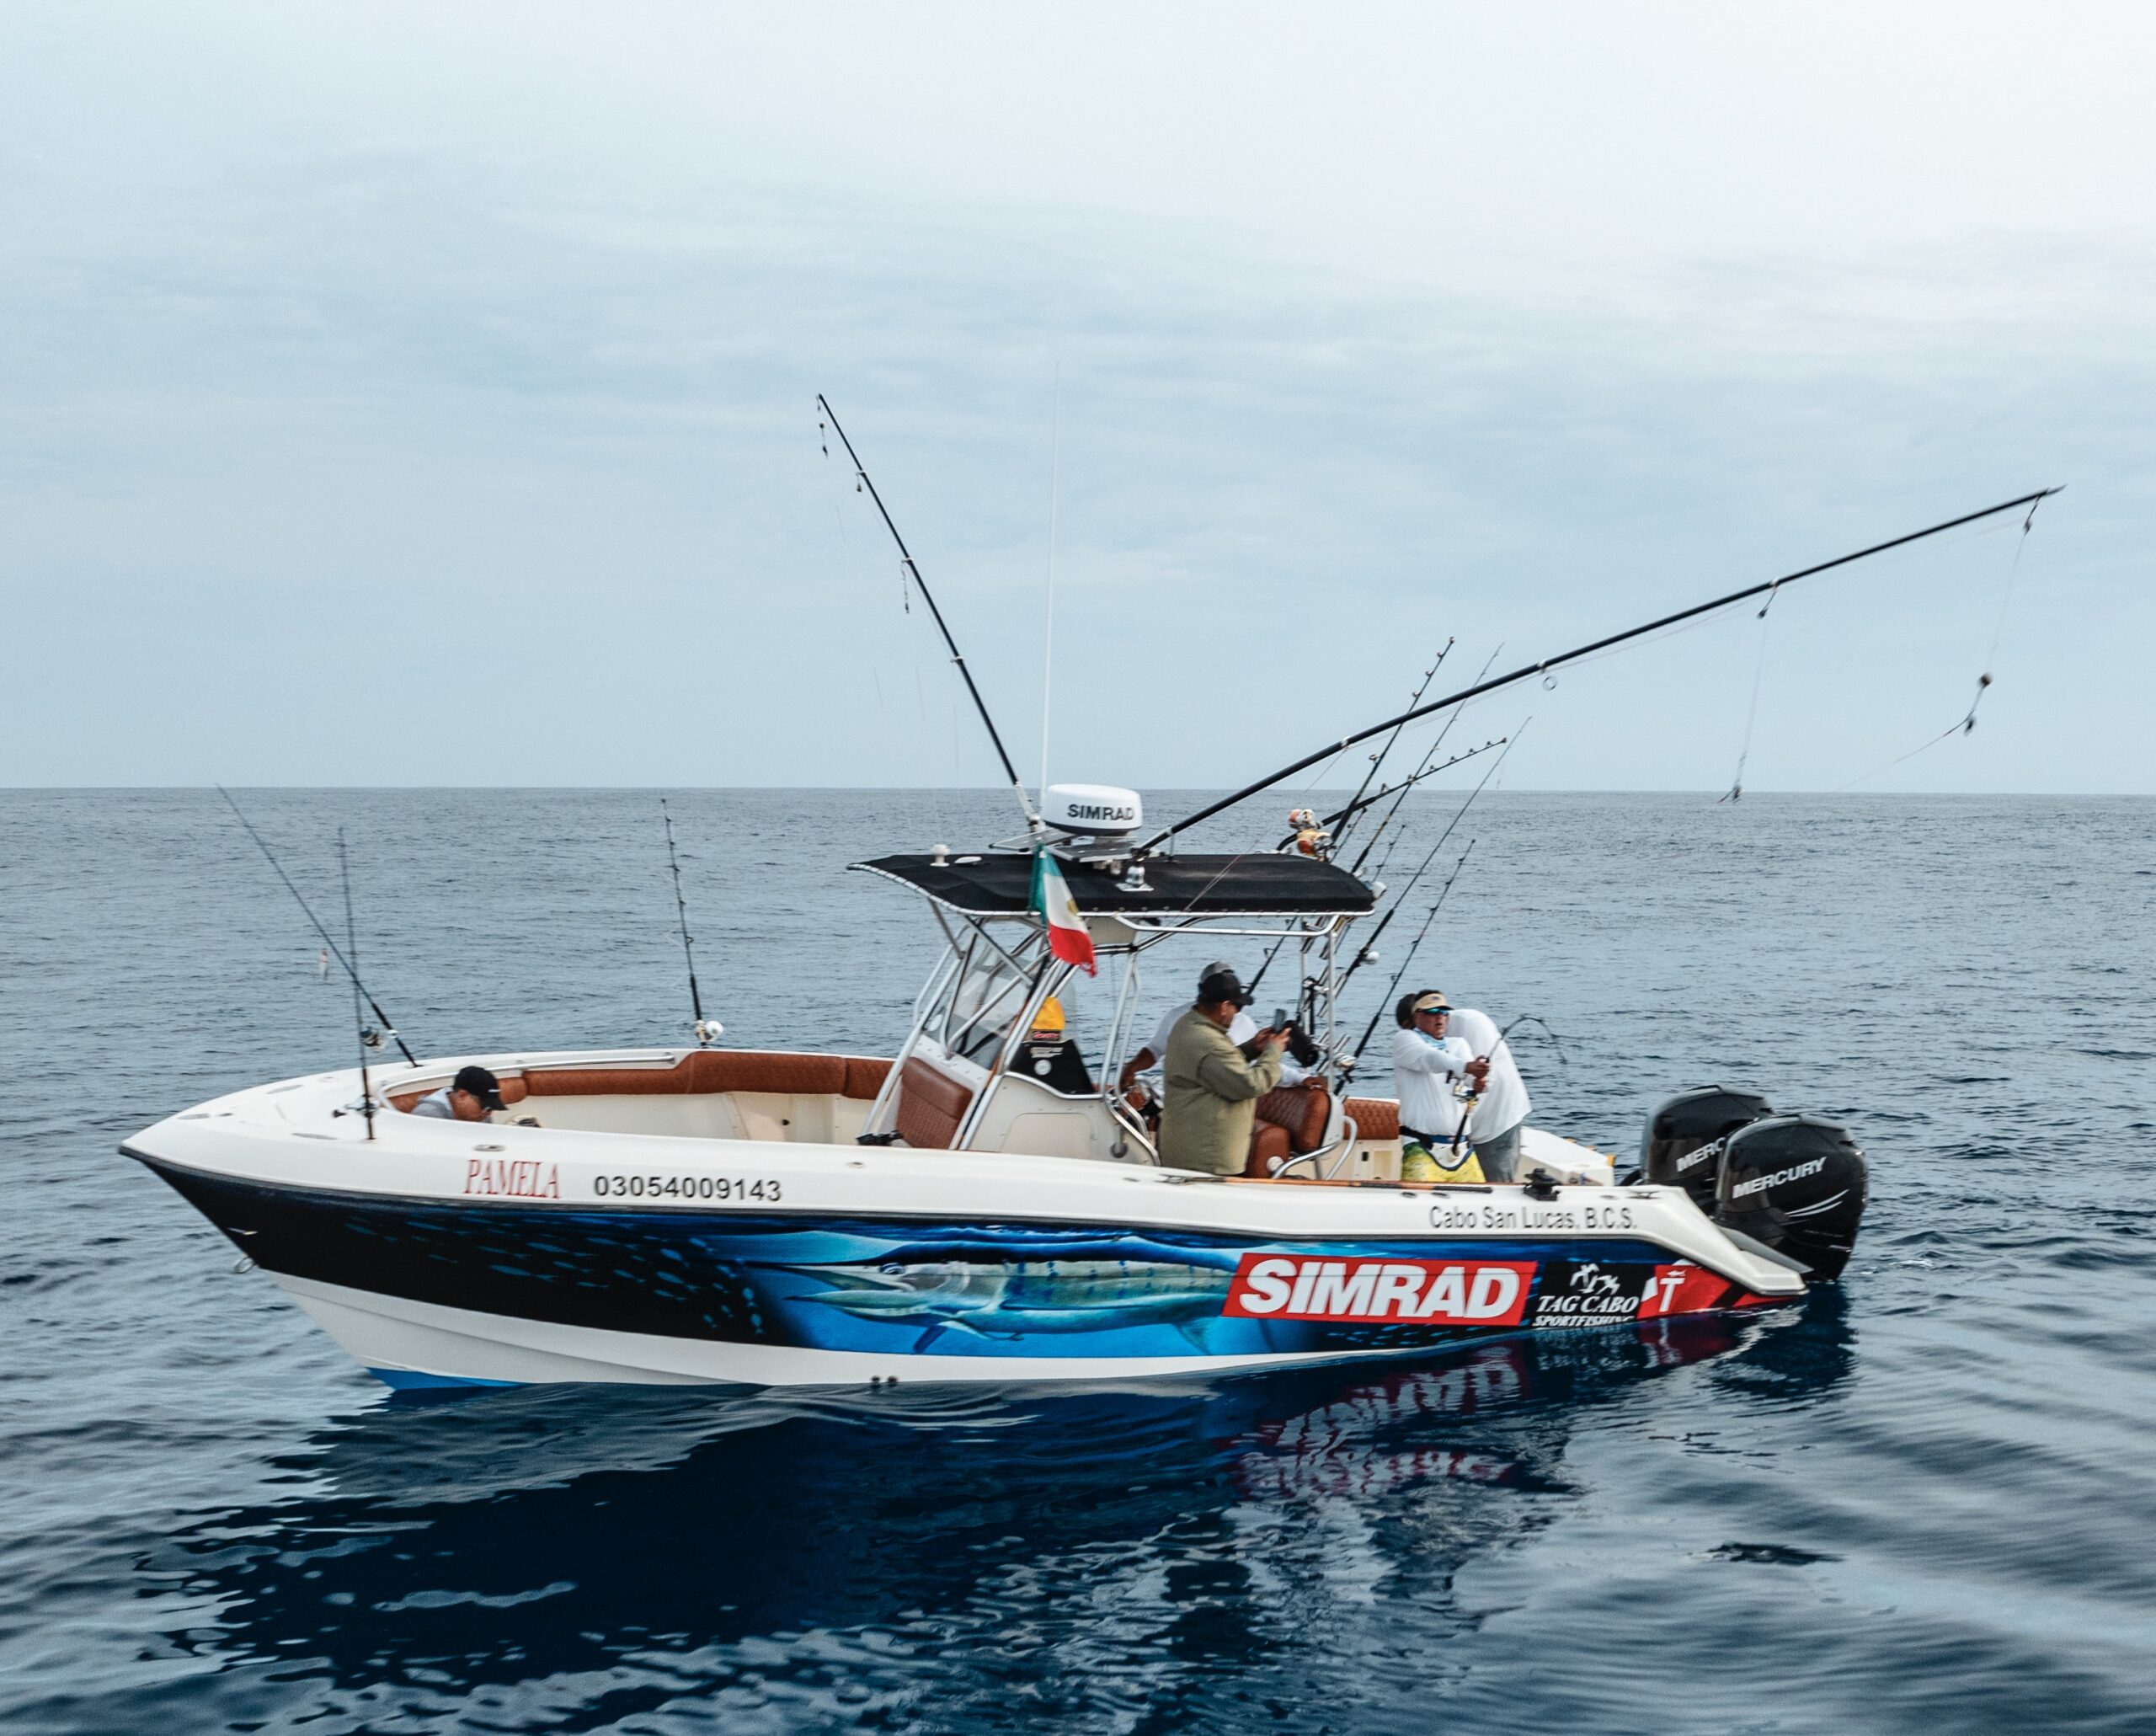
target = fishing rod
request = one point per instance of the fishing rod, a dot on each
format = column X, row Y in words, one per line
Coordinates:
column 1335, row 827
column 1414, row 946
column 359, row 1012
column 1400, row 789
column 980, row 705
column 1370, row 946
column 705, row 1028
column 1547, row 664
column 1355, row 803
column 1427, row 771
column 1474, row 1094
column 388, row 1029
column 1392, row 813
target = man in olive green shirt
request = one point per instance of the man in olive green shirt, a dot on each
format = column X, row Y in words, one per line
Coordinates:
column 1210, row 1086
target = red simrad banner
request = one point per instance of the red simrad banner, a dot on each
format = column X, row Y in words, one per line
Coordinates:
column 1429, row 1292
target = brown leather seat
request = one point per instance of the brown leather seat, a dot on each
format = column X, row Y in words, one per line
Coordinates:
column 609, row 1081
column 717, row 1069
column 1269, row 1145
column 704, row 1070
column 1375, row 1118
column 1302, row 1109
column 931, row 1106
column 864, row 1077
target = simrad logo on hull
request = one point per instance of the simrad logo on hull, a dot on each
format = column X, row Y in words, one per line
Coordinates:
column 1427, row 1292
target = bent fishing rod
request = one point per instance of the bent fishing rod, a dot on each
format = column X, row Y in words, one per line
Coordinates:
column 905, row 555
column 1474, row 1095
column 388, row 1027
column 1547, row 664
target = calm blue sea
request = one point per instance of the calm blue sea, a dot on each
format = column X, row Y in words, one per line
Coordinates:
column 1924, row 1502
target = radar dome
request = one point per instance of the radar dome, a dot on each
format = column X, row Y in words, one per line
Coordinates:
column 1097, row 810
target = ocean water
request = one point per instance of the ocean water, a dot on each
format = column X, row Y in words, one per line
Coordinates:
column 1924, row 1500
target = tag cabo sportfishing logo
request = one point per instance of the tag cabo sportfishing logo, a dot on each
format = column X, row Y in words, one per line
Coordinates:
column 1590, row 1293
column 1429, row 1292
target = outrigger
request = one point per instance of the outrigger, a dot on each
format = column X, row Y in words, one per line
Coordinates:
column 952, row 1213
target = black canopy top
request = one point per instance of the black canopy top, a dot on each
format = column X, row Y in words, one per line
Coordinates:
column 1001, row 883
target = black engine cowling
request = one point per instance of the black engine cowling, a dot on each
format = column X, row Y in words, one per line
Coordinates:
column 1796, row 1183
column 1682, row 1143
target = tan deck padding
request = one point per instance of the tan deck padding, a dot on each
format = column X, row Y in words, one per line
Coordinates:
column 931, row 1106
column 1375, row 1118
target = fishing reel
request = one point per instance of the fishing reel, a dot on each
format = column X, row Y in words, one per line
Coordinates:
column 370, row 1038
column 1311, row 838
column 708, row 1032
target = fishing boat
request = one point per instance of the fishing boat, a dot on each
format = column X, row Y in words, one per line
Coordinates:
column 945, row 1213
column 989, row 1203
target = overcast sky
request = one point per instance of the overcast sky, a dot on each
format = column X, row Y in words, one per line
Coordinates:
column 411, row 394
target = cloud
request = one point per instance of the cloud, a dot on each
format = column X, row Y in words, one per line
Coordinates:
column 383, row 459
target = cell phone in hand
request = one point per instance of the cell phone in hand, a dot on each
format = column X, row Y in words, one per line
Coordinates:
column 1280, row 1018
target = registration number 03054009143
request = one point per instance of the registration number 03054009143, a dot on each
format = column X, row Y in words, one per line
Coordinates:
column 686, row 1187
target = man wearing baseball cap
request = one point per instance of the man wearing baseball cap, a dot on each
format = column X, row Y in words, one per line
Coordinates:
column 1427, row 1060
column 473, row 1095
column 1242, row 1030
column 1210, row 1085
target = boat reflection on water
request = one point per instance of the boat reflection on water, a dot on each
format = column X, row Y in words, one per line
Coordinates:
column 845, row 1552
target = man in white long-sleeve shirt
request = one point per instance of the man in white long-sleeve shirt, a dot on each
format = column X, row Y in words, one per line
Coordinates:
column 1501, row 1103
column 1427, row 1061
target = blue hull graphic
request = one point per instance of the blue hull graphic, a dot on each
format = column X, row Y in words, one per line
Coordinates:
column 962, row 1289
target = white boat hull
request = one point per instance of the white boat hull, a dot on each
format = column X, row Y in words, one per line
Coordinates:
column 446, row 1252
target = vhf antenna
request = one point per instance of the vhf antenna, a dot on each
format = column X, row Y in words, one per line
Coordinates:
column 388, row 1029
column 706, row 1028
column 980, row 705
column 359, row 1004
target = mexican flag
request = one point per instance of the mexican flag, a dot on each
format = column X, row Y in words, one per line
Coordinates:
column 1067, row 936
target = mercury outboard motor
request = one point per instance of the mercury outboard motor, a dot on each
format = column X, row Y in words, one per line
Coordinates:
column 1684, row 1138
column 1796, row 1183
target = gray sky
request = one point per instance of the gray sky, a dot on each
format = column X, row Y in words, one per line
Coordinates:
column 407, row 394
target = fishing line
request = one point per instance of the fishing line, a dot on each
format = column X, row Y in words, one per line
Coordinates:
column 388, row 1030
column 1543, row 667
column 1474, row 1097
column 1967, row 722
column 1257, row 846
column 1752, row 716
column 909, row 573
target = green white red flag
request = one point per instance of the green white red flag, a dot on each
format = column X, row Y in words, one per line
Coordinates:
column 1068, row 936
